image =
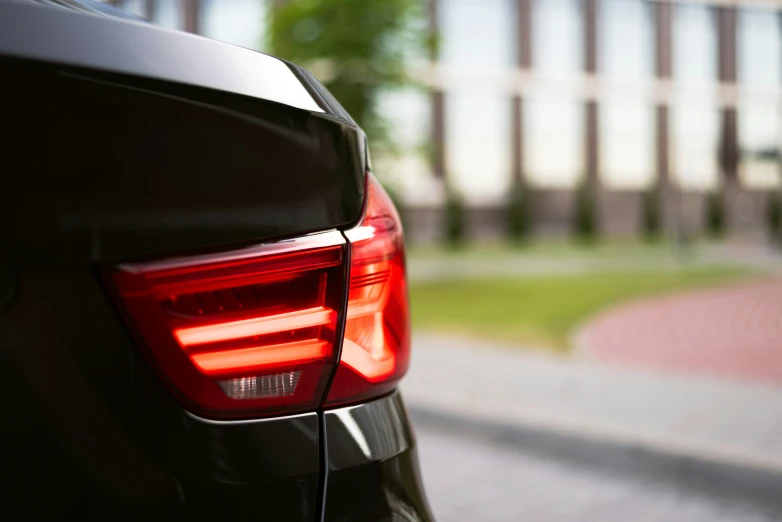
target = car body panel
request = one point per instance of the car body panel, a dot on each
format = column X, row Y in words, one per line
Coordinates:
column 372, row 464
column 132, row 143
column 144, row 164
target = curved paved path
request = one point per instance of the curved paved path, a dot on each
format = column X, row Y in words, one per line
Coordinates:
column 733, row 331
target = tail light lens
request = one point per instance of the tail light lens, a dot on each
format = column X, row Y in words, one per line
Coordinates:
column 248, row 332
column 376, row 345
column 253, row 332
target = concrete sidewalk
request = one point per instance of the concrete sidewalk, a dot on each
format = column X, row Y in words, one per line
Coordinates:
column 725, row 427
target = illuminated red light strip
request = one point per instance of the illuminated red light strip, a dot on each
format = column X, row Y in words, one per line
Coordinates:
column 260, row 356
column 256, row 326
column 365, row 364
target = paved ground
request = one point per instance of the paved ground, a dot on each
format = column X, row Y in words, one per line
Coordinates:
column 474, row 481
column 677, row 387
column 734, row 331
column 718, row 418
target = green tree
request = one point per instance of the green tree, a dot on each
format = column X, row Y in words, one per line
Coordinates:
column 585, row 213
column 774, row 217
column 454, row 219
column 357, row 48
column 650, row 213
column 518, row 213
column 715, row 215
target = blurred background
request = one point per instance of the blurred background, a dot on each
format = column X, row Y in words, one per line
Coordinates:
column 592, row 197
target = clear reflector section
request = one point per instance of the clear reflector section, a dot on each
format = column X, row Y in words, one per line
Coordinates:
column 261, row 386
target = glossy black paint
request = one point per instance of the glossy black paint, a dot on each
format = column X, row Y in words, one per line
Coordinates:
column 128, row 142
column 94, row 433
column 160, row 143
column 372, row 464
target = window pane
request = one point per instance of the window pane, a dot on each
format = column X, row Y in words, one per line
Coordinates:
column 135, row 7
column 240, row 22
column 626, row 52
column 168, row 14
column 477, row 33
column 759, row 48
column 695, row 127
column 626, row 39
column 695, row 34
column 695, row 142
column 626, row 145
column 478, row 145
column 408, row 114
column 557, row 37
column 759, row 136
column 554, row 142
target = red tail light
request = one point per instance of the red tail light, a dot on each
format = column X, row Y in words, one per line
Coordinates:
column 247, row 332
column 253, row 332
column 376, row 345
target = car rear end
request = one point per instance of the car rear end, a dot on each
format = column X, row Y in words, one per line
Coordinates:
column 203, row 304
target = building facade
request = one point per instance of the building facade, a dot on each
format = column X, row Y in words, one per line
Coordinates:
column 683, row 96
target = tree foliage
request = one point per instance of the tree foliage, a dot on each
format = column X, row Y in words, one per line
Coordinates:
column 651, row 219
column 454, row 220
column 357, row 48
column 518, row 213
column 774, row 217
column 715, row 215
column 585, row 213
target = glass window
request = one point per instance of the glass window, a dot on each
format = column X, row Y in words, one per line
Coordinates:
column 695, row 52
column 168, row 14
column 759, row 141
column 408, row 114
column 626, row 52
column 477, row 33
column 627, row 142
column 557, row 37
column 478, row 145
column 695, row 122
column 553, row 142
column 136, row 7
column 554, row 126
column 759, row 66
column 695, row 145
column 626, row 39
column 759, row 48
column 239, row 22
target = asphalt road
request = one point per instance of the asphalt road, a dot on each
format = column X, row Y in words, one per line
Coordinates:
column 475, row 480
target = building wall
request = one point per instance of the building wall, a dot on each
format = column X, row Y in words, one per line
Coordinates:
column 624, row 94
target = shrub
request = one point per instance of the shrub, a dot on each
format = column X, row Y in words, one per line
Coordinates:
column 454, row 235
column 774, row 216
column 585, row 213
column 651, row 221
column 715, row 215
column 517, row 213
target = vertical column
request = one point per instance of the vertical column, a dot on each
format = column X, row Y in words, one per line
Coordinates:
column 590, row 67
column 437, row 106
column 190, row 8
column 728, row 141
column 663, row 46
column 524, row 62
column 149, row 9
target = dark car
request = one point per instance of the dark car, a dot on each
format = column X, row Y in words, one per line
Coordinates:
column 203, row 302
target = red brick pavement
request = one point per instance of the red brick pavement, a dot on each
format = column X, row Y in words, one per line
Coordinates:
column 733, row 331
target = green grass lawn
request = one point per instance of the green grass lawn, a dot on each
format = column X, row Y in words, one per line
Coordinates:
column 542, row 311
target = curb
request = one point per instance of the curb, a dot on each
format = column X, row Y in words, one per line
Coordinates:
column 710, row 469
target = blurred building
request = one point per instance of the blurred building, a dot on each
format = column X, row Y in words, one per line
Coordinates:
column 623, row 94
